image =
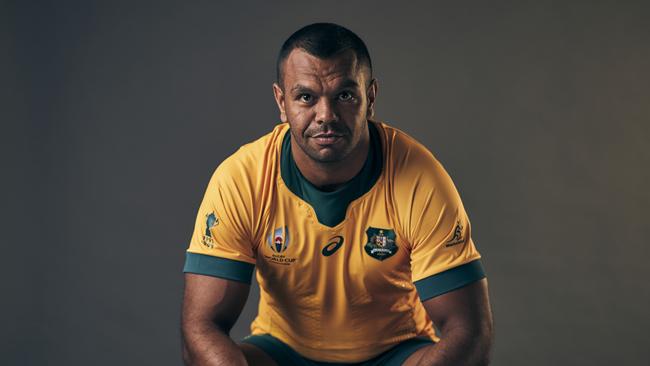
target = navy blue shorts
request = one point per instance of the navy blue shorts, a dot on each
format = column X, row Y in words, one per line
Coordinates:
column 282, row 354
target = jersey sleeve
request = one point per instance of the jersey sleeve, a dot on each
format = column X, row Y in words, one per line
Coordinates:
column 221, row 244
column 443, row 255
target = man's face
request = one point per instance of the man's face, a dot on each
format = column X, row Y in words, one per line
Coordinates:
column 326, row 103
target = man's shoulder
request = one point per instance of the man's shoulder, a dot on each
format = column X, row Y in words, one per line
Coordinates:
column 253, row 156
column 252, row 162
column 409, row 163
column 402, row 151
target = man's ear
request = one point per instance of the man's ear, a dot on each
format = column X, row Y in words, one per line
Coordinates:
column 279, row 100
column 371, row 94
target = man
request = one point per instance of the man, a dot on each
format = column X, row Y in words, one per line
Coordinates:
column 358, row 235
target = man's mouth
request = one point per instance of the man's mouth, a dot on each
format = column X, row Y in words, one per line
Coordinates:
column 327, row 138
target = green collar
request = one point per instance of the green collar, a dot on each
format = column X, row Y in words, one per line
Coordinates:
column 330, row 207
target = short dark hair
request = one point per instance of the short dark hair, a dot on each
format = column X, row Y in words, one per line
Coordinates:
column 323, row 40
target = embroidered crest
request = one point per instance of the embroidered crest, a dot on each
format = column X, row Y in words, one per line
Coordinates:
column 381, row 243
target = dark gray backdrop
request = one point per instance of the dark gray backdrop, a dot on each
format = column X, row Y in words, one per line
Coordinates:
column 115, row 114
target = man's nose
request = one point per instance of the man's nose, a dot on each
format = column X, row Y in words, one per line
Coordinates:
column 326, row 111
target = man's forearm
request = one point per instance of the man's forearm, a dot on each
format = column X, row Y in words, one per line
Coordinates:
column 459, row 347
column 207, row 345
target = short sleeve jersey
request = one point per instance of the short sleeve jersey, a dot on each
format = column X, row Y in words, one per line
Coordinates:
column 342, row 293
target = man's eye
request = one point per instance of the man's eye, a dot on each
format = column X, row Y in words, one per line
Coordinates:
column 305, row 98
column 345, row 96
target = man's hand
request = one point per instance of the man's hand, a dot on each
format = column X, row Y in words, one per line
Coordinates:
column 210, row 308
column 464, row 319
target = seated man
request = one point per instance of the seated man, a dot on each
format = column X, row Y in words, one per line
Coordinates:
column 359, row 237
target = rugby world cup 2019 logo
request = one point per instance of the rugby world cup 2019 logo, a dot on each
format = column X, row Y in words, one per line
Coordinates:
column 278, row 241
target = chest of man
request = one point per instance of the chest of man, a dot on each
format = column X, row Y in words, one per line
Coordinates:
column 359, row 261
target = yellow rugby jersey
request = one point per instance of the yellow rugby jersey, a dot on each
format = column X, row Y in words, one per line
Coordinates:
column 337, row 288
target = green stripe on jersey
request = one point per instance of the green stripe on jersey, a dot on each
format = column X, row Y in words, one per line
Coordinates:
column 218, row 267
column 449, row 280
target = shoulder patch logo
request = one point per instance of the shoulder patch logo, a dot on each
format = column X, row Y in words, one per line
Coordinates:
column 211, row 220
column 381, row 243
column 458, row 236
column 279, row 239
column 334, row 244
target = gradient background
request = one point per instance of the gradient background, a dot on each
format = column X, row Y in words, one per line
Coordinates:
column 114, row 115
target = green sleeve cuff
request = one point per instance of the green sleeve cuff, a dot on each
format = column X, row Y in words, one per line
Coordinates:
column 449, row 280
column 218, row 267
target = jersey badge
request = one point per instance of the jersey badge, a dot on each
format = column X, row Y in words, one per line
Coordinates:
column 278, row 241
column 381, row 243
column 211, row 220
column 458, row 236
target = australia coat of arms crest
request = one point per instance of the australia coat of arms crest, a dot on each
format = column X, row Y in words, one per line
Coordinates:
column 381, row 243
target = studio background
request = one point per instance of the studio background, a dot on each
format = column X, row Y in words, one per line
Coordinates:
column 115, row 115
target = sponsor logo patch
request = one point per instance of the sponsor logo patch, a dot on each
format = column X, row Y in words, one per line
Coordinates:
column 334, row 244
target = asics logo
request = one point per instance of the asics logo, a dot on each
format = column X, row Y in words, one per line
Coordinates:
column 334, row 245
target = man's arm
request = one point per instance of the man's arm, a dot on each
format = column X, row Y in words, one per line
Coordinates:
column 210, row 308
column 464, row 319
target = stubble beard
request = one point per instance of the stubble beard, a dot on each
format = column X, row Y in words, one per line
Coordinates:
column 332, row 156
column 324, row 157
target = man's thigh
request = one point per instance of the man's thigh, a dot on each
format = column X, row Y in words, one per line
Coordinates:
column 267, row 350
column 272, row 351
column 255, row 356
column 406, row 353
column 415, row 357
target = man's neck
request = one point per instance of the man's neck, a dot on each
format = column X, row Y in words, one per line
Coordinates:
column 330, row 176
